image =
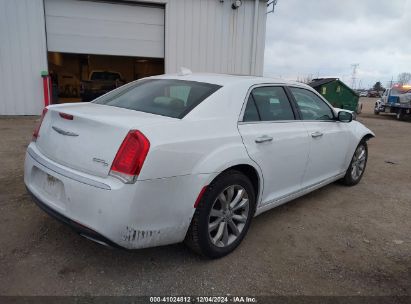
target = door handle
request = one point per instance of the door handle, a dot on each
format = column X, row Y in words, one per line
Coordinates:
column 316, row 134
column 263, row 139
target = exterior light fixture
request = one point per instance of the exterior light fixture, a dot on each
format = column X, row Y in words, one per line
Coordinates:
column 236, row 4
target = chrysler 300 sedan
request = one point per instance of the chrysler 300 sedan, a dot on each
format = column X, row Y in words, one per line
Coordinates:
column 188, row 157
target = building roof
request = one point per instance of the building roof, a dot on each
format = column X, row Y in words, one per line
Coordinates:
column 316, row 83
column 320, row 81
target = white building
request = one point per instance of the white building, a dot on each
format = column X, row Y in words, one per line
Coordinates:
column 72, row 38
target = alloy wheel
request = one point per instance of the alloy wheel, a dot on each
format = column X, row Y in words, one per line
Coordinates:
column 358, row 162
column 228, row 216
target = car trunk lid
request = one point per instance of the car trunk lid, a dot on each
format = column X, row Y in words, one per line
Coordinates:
column 87, row 136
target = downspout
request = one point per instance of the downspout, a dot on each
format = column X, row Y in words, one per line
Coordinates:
column 254, row 45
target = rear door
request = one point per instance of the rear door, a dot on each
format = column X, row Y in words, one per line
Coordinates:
column 275, row 140
column 328, row 137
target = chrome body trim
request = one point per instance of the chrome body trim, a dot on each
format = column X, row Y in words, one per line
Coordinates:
column 63, row 132
column 286, row 198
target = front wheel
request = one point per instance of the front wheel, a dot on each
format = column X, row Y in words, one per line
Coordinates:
column 357, row 166
column 223, row 215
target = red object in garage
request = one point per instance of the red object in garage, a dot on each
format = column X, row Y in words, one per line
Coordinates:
column 46, row 87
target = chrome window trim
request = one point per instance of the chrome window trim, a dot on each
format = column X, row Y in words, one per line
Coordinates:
column 283, row 85
column 284, row 121
column 318, row 95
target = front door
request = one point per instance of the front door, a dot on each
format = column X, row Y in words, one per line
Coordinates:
column 328, row 137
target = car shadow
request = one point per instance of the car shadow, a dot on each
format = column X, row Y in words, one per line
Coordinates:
column 65, row 242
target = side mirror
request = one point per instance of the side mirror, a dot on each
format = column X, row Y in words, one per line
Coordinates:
column 344, row 116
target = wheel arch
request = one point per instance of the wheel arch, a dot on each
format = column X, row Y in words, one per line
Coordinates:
column 250, row 171
column 368, row 136
column 361, row 132
column 251, row 174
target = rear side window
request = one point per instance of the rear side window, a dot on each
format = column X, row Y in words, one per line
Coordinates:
column 166, row 97
column 268, row 104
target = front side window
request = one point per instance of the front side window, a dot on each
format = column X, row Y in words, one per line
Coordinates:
column 166, row 97
column 268, row 104
column 311, row 106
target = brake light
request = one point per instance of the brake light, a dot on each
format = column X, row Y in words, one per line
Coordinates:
column 66, row 116
column 130, row 157
column 37, row 129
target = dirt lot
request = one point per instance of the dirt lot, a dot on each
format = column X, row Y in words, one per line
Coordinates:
column 335, row 241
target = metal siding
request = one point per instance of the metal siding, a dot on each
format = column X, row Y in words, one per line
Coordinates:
column 209, row 36
column 203, row 35
column 22, row 56
column 262, row 16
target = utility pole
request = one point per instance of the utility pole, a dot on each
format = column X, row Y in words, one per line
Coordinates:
column 354, row 74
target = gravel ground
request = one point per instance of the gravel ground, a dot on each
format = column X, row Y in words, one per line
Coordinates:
column 334, row 241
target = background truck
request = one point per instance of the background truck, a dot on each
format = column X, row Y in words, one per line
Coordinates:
column 395, row 100
column 99, row 83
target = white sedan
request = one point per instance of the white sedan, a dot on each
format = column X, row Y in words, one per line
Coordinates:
column 190, row 157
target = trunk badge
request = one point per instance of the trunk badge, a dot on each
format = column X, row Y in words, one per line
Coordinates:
column 63, row 132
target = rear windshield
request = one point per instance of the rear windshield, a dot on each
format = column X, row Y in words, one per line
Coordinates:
column 166, row 97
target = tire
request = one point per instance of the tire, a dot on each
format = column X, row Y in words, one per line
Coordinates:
column 376, row 111
column 352, row 178
column 74, row 92
column 198, row 237
column 66, row 91
column 400, row 115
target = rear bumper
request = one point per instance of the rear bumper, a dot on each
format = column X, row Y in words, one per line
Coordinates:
column 77, row 227
column 145, row 214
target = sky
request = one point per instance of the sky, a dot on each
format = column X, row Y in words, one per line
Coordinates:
column 326, row 37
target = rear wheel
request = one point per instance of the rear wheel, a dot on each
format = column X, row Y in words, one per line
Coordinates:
column 357, row 166
column 400, row 114
column 223, row 216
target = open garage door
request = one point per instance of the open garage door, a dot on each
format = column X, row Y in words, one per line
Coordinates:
column 97, row 46
column 104, row 28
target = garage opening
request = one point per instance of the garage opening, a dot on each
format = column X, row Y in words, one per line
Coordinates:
column 84, row 77
column 96, row 46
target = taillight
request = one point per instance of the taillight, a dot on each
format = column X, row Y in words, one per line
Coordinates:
column 130, row 157
column 37, row 129
column 66, row 116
